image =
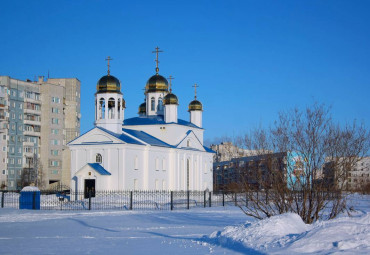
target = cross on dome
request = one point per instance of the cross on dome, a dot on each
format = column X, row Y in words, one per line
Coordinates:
column 156, row 59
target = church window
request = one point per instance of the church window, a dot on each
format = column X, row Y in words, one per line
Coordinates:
column 152, row 104
column 111, row 108
column 136, row 184
column 187, row 174
column 163, row 185
column 136, row 163
column 160, row 104
column 119, row 108
column 156, row 184
column 102, row 108
column 164, row 164
column 99, row 158
column 157, row 164
column 188, row 143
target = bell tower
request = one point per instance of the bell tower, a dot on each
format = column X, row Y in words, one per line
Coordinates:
column 109, row 103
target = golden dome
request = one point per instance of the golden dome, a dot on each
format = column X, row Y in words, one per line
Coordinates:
column 142, row 108
column 170, row 99
column 195, row 105
column 156, row 83
column 108, row 83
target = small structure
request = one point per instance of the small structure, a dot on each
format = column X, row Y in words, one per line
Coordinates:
column 30, row 198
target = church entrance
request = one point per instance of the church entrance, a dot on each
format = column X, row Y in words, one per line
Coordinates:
column 89, row 187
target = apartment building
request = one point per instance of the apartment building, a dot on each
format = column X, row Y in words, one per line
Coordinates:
column 33, row 118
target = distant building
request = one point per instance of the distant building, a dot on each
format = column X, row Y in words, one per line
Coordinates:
column 227, row 150
column 255, row 171
column 34, row 114
column 351, row 179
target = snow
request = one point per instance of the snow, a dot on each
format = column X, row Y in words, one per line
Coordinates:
column 30, row 188
column 215, row 230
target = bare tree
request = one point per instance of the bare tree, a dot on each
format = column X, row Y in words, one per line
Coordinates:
column 292, row 180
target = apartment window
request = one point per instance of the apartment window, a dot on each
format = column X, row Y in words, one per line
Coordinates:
column 13, row 115
column 54, row 110
column 54, row 152
column 4, row 172
column 12, row 138
column 54, row 163
column 55, row 131
column 54, row 120
column 14, row 93
column 55, row 171
column 12, row 162
column 19, row 139
column 19, row 150
column 55, row 142
column 37, row 96
column 55, row 100
column 20, row 116
column 19, row 161
column 4, row 137
column 11, row 184
column 11, row 150
column 20, row 106
column 13, row 126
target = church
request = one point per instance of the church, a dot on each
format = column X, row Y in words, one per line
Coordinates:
column 152, row 151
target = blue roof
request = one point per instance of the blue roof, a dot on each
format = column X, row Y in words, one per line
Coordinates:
column 154, row 120
column 123, row 137
column 145, row 137
column 208, row 149
column 97, row 167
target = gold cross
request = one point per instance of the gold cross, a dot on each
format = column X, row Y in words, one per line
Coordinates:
column 195, row 90
column 170, row 78
column 156, row 60
column 108, row 59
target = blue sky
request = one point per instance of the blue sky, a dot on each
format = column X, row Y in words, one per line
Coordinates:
column 251, row 59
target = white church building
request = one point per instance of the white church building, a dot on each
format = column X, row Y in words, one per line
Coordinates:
column 153, row 151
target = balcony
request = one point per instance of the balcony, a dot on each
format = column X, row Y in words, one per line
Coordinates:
column 31, row 133
column 32, row 122
column 30, row 144
column 32, row 111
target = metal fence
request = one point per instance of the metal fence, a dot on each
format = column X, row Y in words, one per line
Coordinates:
column 117, row 200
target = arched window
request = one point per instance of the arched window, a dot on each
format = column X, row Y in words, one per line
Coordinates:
column 136, row 163
column 111, row 108
column 187, row 174
column 98, row 158
column 102, row 108
column 119, row 108
column 188, row 143
column 160, row 104
column 152, row 104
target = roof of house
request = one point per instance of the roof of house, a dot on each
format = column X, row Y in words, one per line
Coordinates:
column 154, row 120
column 145, row 137
column 97, row 167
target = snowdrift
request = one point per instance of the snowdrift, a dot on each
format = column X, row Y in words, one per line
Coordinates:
column 288, row 234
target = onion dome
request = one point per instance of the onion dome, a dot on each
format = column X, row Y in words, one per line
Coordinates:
column 170, row 99
column 195, row 105
column 156, row 83
column 142, row 108
column 108, row 84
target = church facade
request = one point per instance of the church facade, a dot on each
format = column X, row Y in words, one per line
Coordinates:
column 153, row 151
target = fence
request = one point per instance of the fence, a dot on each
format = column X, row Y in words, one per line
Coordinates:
column 122, row 200
column 132, row 200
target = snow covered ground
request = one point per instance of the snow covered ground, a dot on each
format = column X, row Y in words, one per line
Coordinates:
column 216, row 230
